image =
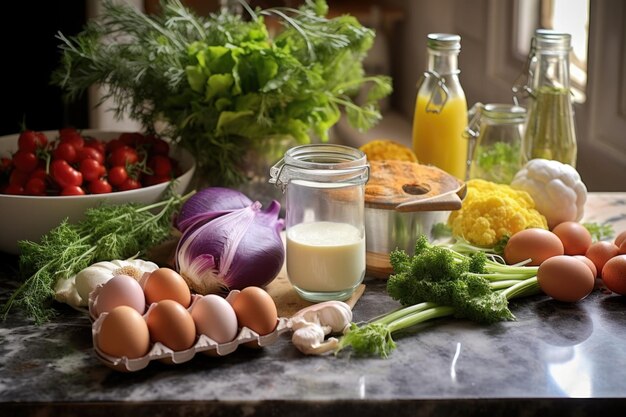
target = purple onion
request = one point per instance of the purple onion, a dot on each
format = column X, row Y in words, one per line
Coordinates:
column 209, row 203
column 239, row 249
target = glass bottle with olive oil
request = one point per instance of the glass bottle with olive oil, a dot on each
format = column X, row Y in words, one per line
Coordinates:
column 550, row 131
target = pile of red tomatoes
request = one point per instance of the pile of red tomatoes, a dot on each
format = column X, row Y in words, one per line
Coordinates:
column 73, row 164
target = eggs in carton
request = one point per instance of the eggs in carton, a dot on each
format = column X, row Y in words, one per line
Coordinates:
column 127, row 336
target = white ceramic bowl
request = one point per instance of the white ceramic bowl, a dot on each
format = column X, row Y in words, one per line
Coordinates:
column 30, row 217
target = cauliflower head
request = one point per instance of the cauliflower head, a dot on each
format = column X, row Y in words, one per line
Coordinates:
column 492, row 211
column 556, row 188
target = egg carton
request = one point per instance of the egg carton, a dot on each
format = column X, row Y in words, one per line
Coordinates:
column 203, row 344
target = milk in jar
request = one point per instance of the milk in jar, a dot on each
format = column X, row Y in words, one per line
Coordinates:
column 325, row 256
column 324, row 186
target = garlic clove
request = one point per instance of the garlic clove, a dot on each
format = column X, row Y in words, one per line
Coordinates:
column 65, row 292
column 336, row 315
column 309, row 339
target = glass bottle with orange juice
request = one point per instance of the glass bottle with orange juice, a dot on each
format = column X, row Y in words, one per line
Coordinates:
column 440, row 116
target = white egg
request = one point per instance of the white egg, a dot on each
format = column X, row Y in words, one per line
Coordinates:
column 215, row 318
column 121, row 290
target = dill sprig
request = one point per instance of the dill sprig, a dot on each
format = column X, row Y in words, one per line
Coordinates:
column 107, row 232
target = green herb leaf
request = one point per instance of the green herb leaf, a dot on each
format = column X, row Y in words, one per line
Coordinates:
column 599, row 231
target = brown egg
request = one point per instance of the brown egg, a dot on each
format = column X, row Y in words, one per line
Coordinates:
column 256, row 310
column 535, row 244
column 565, row 278
column 588, row 262
column 124, row 333
column 171, row 324
column 166, row 284
column 575, row 237
column 622, row 248
column 620, row 239
column 614, row 274
column 600, row 252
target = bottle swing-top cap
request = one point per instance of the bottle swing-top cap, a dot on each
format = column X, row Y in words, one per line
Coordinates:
column 444, row 42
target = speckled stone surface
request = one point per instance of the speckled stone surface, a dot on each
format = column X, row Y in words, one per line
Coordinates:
column 556, row 359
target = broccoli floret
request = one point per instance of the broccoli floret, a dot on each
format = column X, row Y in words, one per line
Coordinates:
column 400, row 261
column 421, row 244
column 439, row 275
column 477, row 262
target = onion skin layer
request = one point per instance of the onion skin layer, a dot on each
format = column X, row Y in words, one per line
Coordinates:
column 236, row 250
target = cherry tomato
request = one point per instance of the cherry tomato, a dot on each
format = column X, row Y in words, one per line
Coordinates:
column 100, row 186
column 96, row 144
column 117, row 175
column 91, row 169
column 14, row 189
column 18, row 178
column 5, row 164
column 155, row 179
column 65, row 151
column 71, row 136
column 30, row 141
column 129, row 184
column 72, row 190
column 38, row 173
column 67, row 131
column 160, row 165
column 64, row 174
column 160, row 147
column 114, row 144
column 91, row 153
column 132, row 138
column 35, row 186
column 123, row 156
column 25, row 161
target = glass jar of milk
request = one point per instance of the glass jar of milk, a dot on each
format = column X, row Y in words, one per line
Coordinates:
column 324, row 188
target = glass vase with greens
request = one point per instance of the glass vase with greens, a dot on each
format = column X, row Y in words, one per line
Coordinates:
column 224, row 85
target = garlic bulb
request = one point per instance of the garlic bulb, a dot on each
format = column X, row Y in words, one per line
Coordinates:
column 75, row 290
column 312, row 324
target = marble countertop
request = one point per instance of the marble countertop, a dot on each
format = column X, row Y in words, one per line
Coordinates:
column 556, row 359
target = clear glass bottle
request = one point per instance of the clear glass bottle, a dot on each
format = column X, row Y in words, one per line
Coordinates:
column 550, row 129
column 495, row 139
column 324, row 187
column 440, row 117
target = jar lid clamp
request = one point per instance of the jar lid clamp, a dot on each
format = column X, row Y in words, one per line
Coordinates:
column 321, row 163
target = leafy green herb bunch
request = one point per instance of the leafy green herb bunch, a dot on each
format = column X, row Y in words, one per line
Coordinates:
column 224, row 84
